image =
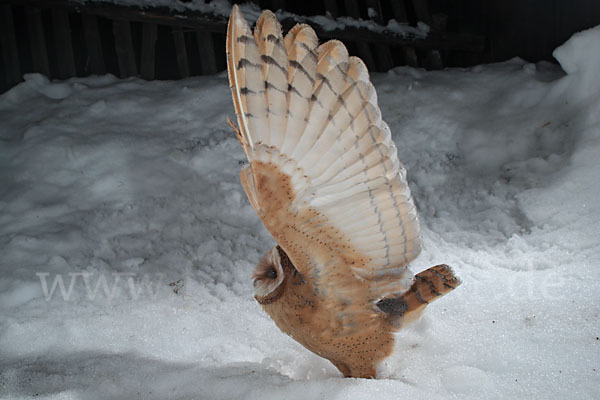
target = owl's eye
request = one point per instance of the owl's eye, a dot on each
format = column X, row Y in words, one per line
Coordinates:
column 271, row 273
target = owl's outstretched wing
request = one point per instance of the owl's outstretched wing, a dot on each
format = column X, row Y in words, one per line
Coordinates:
column 324, row 174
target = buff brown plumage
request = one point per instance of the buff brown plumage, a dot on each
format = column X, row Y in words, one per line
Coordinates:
column 325, row 179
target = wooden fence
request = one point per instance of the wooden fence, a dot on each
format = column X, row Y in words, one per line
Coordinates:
column 63, row 38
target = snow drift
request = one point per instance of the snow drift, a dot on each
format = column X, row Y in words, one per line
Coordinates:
column 127, row 243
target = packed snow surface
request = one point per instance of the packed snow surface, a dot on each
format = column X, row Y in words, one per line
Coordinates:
column 127, row 243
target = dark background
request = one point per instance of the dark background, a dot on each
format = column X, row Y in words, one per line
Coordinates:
column 530, row 29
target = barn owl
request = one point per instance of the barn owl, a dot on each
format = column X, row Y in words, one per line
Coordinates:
column 324, row 177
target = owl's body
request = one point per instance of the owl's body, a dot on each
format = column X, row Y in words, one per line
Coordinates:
column 355, row 351
column 355, row 346
column 325, row 179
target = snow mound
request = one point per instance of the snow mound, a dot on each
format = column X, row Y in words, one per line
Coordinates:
column 571, row 198
column 580, row 58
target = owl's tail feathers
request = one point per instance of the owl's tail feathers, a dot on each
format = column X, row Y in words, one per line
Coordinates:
column 428, row 286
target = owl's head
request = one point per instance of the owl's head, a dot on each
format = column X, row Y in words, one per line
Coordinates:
column 268, row 277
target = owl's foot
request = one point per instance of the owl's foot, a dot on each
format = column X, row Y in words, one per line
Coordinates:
column 428, row 286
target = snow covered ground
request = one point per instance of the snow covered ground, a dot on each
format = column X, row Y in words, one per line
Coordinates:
column 127, row 193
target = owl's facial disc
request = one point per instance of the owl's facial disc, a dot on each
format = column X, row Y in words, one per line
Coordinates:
column 268, row 275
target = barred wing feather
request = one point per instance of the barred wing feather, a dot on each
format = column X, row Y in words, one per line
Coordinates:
column 324, row 174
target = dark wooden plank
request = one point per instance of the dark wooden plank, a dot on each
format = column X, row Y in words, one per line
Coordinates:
column 364, row 52
column 206, row 49
column 93, row 43
column 277, row 5
column 400, row 15
column 422, row 11
column 410, row 56
column 332, row 7
column 37, row 41
column 362, row 46
column 435, row 59
column 383, row 54
column 399, row 10
column 383, row 57
column 439, row 23
column 124, row 48
column 352, row 8
column 375, row 5
column 183, row 64
column 148, row 58
column 63, row 43
column 8, row 41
